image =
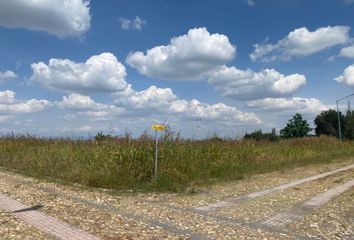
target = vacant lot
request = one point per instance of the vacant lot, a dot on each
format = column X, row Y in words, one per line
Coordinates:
column 312, row 202
column 125, row 163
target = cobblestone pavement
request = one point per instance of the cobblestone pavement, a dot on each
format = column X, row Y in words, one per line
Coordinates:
column 321, row 208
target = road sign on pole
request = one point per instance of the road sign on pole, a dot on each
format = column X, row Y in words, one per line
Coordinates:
column 157, row 128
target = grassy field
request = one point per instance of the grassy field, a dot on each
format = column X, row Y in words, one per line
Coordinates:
column 124, row 163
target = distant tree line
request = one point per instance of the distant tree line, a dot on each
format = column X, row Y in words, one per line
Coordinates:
column 326, row 123
column 259, row 135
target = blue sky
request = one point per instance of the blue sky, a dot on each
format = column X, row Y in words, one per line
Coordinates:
column 73, row 68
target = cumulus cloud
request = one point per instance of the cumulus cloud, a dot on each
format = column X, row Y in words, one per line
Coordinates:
column 100, row 73
column 296, row 104
column 150, row 98
column 30, row 106
column 76, row 101
column 85, row 105
column 133, row 108
column 136, row 24
column 347, row 52
column 347, row 76
column 61, row 18
column 7, row 75
column 219, row 112
column 247, row 84
column 164, row 102
column 301, row 42
column 187, row 57
column 9, row 105
column 154, row 103
column 7, row 97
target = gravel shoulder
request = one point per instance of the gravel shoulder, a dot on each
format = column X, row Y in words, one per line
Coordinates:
column 16, row 229
column 130, row 215
column 333, row 221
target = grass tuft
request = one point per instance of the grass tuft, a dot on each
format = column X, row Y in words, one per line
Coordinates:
column 125, row 163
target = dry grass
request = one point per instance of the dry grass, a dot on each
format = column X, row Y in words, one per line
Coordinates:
column 123, row 163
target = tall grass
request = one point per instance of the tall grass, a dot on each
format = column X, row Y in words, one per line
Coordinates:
column 125, row 163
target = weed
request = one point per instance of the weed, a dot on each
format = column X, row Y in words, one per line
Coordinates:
column 126, row 163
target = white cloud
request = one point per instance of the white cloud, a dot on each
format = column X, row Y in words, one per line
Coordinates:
column 249, row 2
column 125, row 23
column 80, row 102
column 7, row 97
column 348, row 1
column 7, row 75
column 61, row 18
column 247, row 84
column 154, row 103
column 151, row 98
column 100, row 73
column 79, row 129
column 220, row 112
column 135, row 109
column 347, row 77
column 30, row 106
column 164, row 102
column 9, row 105
column 347, row 52
column 136, row 24
column 4, row 119
column 301, row 42
column 85, row 128
column 85, row 105
column 296, row 104
column 187, row 57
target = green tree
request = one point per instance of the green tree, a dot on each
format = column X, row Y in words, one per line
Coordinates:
column 349, row 125
column 296, row 127
column 327, row 123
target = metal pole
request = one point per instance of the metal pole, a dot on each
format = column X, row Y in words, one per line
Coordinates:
column 339, row 127
column 156, row 144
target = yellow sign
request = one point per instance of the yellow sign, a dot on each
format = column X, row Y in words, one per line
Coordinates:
column 158, row 127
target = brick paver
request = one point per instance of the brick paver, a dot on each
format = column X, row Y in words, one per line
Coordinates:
column 227, row 202
column 42, row 221
column 298, row 212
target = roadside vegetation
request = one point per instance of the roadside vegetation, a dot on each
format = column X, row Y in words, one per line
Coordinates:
column 125, row 163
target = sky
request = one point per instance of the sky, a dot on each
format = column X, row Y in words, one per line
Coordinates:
column 72, row 68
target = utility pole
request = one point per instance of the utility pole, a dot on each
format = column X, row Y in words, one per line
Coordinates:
column 339, row 124
column 349, row 109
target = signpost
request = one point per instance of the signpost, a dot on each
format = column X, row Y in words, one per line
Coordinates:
column 157, row 128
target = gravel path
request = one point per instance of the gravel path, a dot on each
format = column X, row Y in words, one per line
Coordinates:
column 116, row 215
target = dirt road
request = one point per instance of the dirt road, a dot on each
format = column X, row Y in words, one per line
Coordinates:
column 313, row 202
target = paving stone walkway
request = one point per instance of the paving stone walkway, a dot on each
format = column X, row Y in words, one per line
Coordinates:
column 250, row 196
column 42, row 221
column 296, row 212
